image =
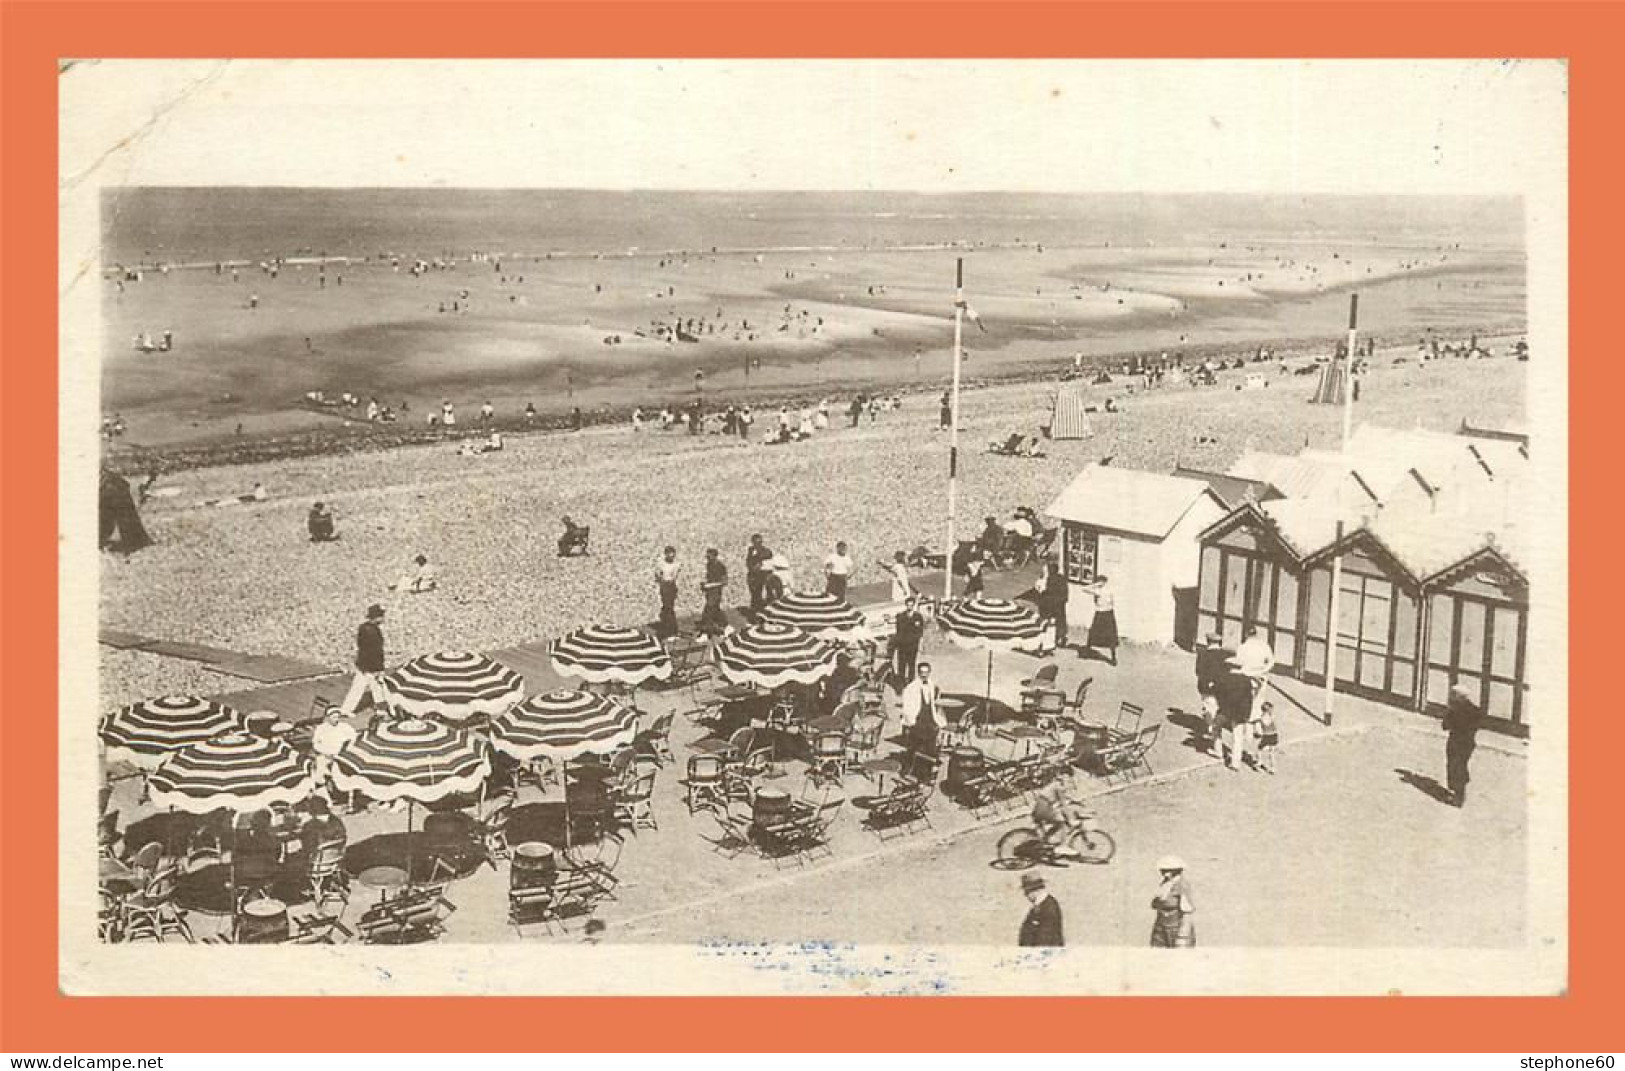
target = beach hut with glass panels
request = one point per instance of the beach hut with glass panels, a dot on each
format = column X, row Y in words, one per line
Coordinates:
column 1431, row 593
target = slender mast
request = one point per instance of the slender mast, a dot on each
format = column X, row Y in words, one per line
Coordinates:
column 1337, row 559
column 953, row 430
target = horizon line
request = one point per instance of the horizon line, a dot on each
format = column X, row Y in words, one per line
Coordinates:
column 1351, row 194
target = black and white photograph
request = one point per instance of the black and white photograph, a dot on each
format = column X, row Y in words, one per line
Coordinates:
column 837, row 527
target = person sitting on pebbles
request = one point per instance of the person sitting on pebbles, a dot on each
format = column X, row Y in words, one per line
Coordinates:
column 320, row 524
column 422, row 579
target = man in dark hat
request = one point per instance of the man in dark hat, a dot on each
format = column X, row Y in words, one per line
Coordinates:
column 1042, row 926
column 369, row 660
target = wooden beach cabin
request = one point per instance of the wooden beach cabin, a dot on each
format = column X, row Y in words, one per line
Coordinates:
column 1141, row 530
column 1249, row 578
column 1431, row 590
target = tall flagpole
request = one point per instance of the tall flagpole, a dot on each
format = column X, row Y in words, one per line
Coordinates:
column 953, row 429
column 1337, row 559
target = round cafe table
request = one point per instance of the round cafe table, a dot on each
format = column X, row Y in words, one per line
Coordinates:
column 263, row 922
column 879, row 769
column 1025, row 735
column 734, row 693
column 385, row 879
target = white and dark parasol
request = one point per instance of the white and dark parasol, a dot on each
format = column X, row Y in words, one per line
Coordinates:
column 610, row 654
column 455, row 685
column 563, row 725
column 819, row 614
column 148, row 732
column 769, row 655
column 237, row 770
column 991, row 625
column 414, row 759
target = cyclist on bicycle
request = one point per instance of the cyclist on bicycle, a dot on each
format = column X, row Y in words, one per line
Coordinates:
column 1059, row 817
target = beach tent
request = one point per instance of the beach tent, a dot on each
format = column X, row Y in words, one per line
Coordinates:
column 1333, row 382
column 1068, row 420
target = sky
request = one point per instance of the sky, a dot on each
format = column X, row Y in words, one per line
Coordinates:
column 1343, row 126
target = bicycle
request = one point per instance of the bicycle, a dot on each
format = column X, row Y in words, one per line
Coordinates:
column 1028, row 846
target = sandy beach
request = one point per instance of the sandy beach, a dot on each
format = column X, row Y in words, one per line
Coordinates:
column 245, row 577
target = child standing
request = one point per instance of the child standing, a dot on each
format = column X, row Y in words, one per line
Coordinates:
column 1269, row 738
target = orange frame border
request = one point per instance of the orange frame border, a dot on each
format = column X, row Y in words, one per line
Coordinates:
column 34, row 1016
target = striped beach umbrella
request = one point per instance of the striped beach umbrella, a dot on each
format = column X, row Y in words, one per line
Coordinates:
column 146, row 733
column 820, row 614
column 768, row 654
column 455, row 685
column 610, row 654
column 991, row 625
column 414, row 759
column 562, row 725
column 237, row 770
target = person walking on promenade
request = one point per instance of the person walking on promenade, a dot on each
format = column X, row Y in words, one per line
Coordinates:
column 757, row 556
column 667, row 571
column 1103, row 626
column 1041, row 928
column 1462, row 720
column 1173, row 905
column 369, row 661
column 713, row 622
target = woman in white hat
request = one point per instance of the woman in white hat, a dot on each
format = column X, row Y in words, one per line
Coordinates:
column 1173, row 927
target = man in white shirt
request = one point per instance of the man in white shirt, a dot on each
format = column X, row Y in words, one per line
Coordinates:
column 667, row 571
column 837, row 570
column 329, row 738
column 920, row 713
